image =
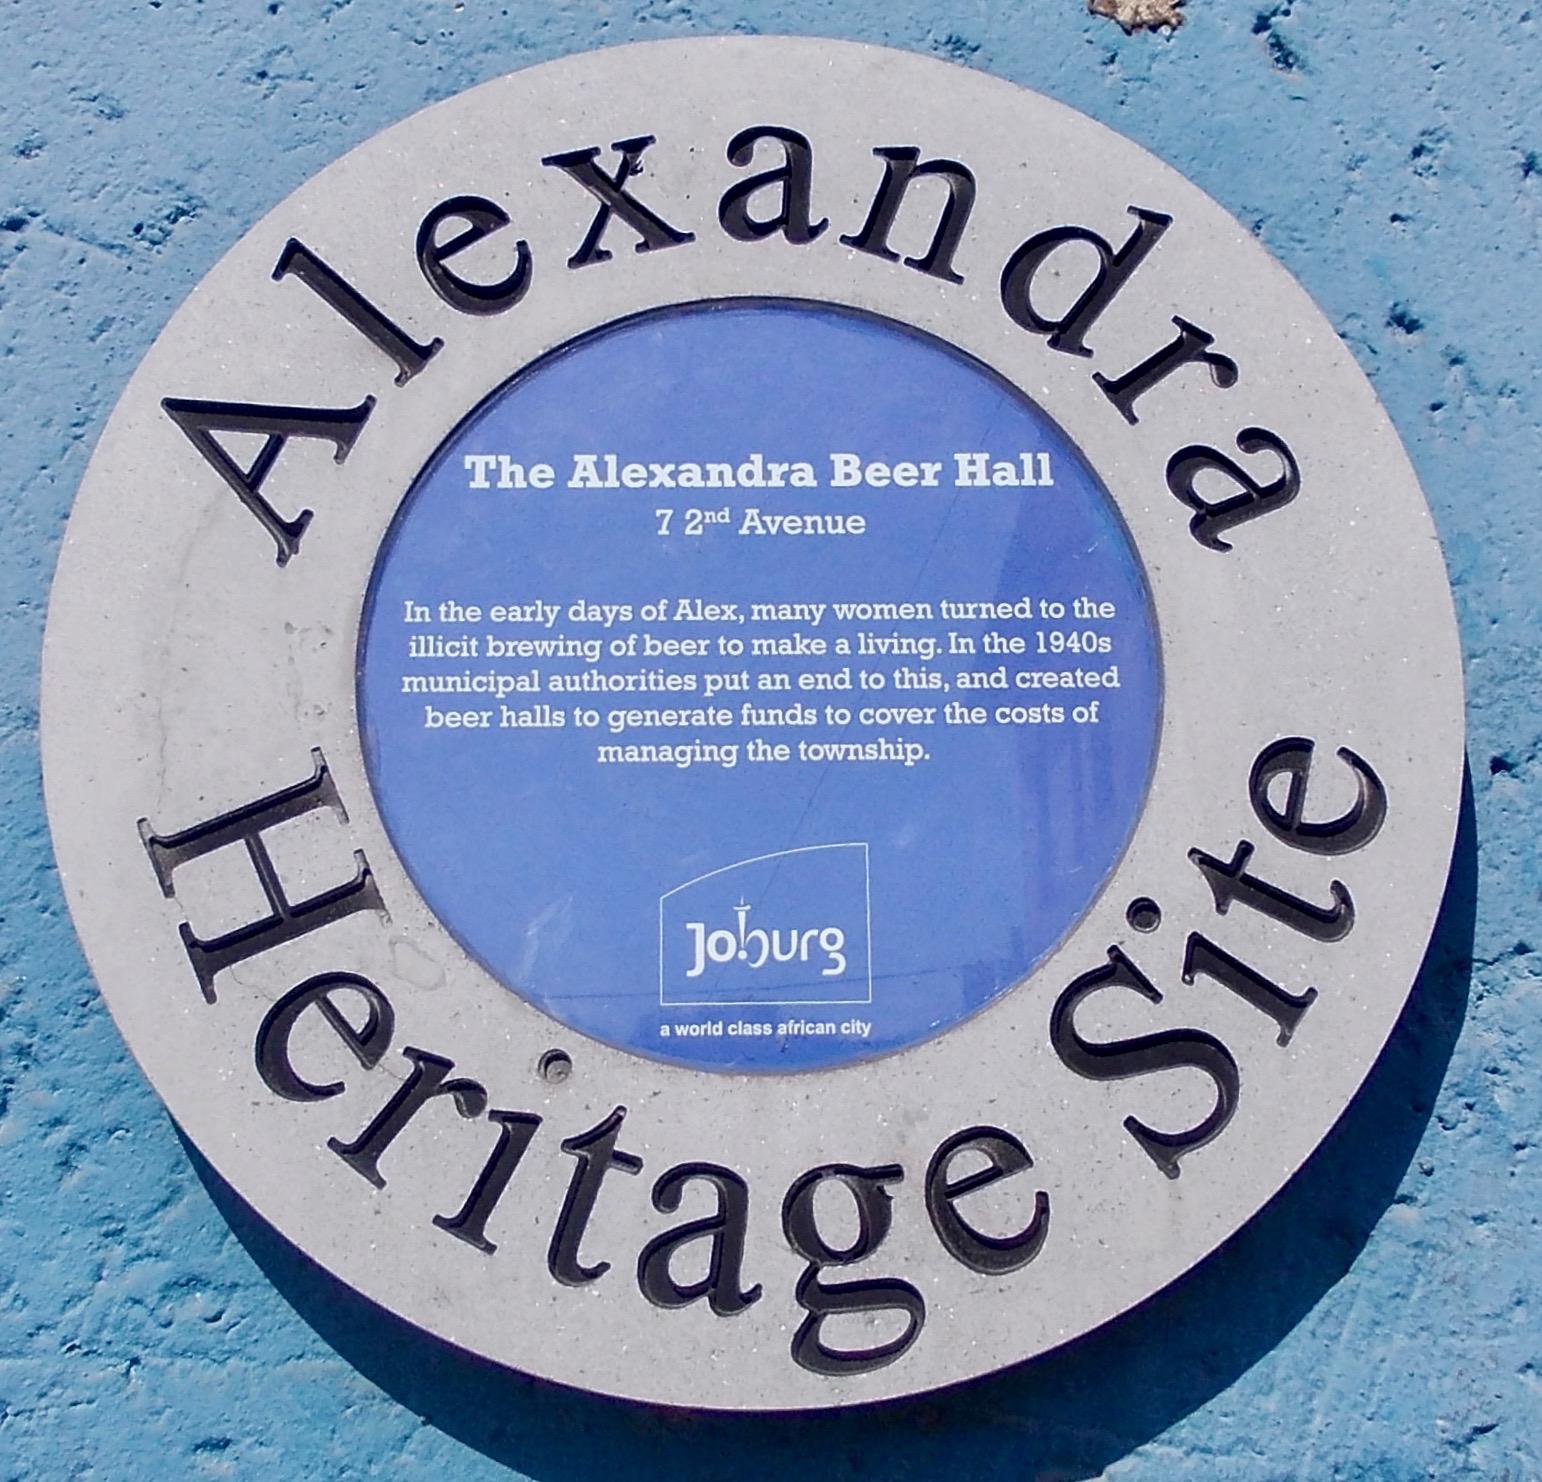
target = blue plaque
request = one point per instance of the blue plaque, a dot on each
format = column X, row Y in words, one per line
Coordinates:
column 759, row 686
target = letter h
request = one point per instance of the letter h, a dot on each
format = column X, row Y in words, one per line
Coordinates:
column 286, row 919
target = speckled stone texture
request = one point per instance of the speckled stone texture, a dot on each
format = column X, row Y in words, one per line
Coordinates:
column 1380, row 1320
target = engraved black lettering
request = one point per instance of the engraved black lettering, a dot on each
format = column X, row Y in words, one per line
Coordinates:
column 1069, row 332
column 823, row 1299
column 426, row 1083
column 469, row 1223
column 200, row 420
column 1229, row 881
column 1202, row 956
column 1190, row 347
column 992, row 1255
column 792, row 179
column 721, row 1284
column 336, row 292
column 286, row 919
column 1212, row 517
column 482, row 218
column 901, row 166
column 597, row 1154
column 653, row 232
column 1292, row 758
column 367, row 1043
column 1146, row 1054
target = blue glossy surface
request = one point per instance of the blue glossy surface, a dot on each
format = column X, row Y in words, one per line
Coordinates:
column 933, row 862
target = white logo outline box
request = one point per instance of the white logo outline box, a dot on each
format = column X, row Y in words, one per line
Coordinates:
column 867, row 926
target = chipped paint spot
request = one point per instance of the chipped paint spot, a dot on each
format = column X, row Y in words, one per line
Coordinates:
column 1140, row 15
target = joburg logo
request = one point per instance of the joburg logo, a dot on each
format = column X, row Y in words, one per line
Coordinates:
column 789, row 927
column 756, row 946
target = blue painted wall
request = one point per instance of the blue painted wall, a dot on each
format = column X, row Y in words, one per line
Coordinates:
column 1381, row 1320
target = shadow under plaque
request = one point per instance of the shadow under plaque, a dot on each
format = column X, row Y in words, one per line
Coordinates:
column 1065, row 1416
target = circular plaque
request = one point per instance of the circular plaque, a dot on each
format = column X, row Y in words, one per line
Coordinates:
column 752, row 723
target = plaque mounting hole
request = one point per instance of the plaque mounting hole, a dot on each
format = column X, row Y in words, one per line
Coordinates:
column 1144, row 914
column 556, row 1066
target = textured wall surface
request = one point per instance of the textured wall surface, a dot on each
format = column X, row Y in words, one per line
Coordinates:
column 1382, row 1319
